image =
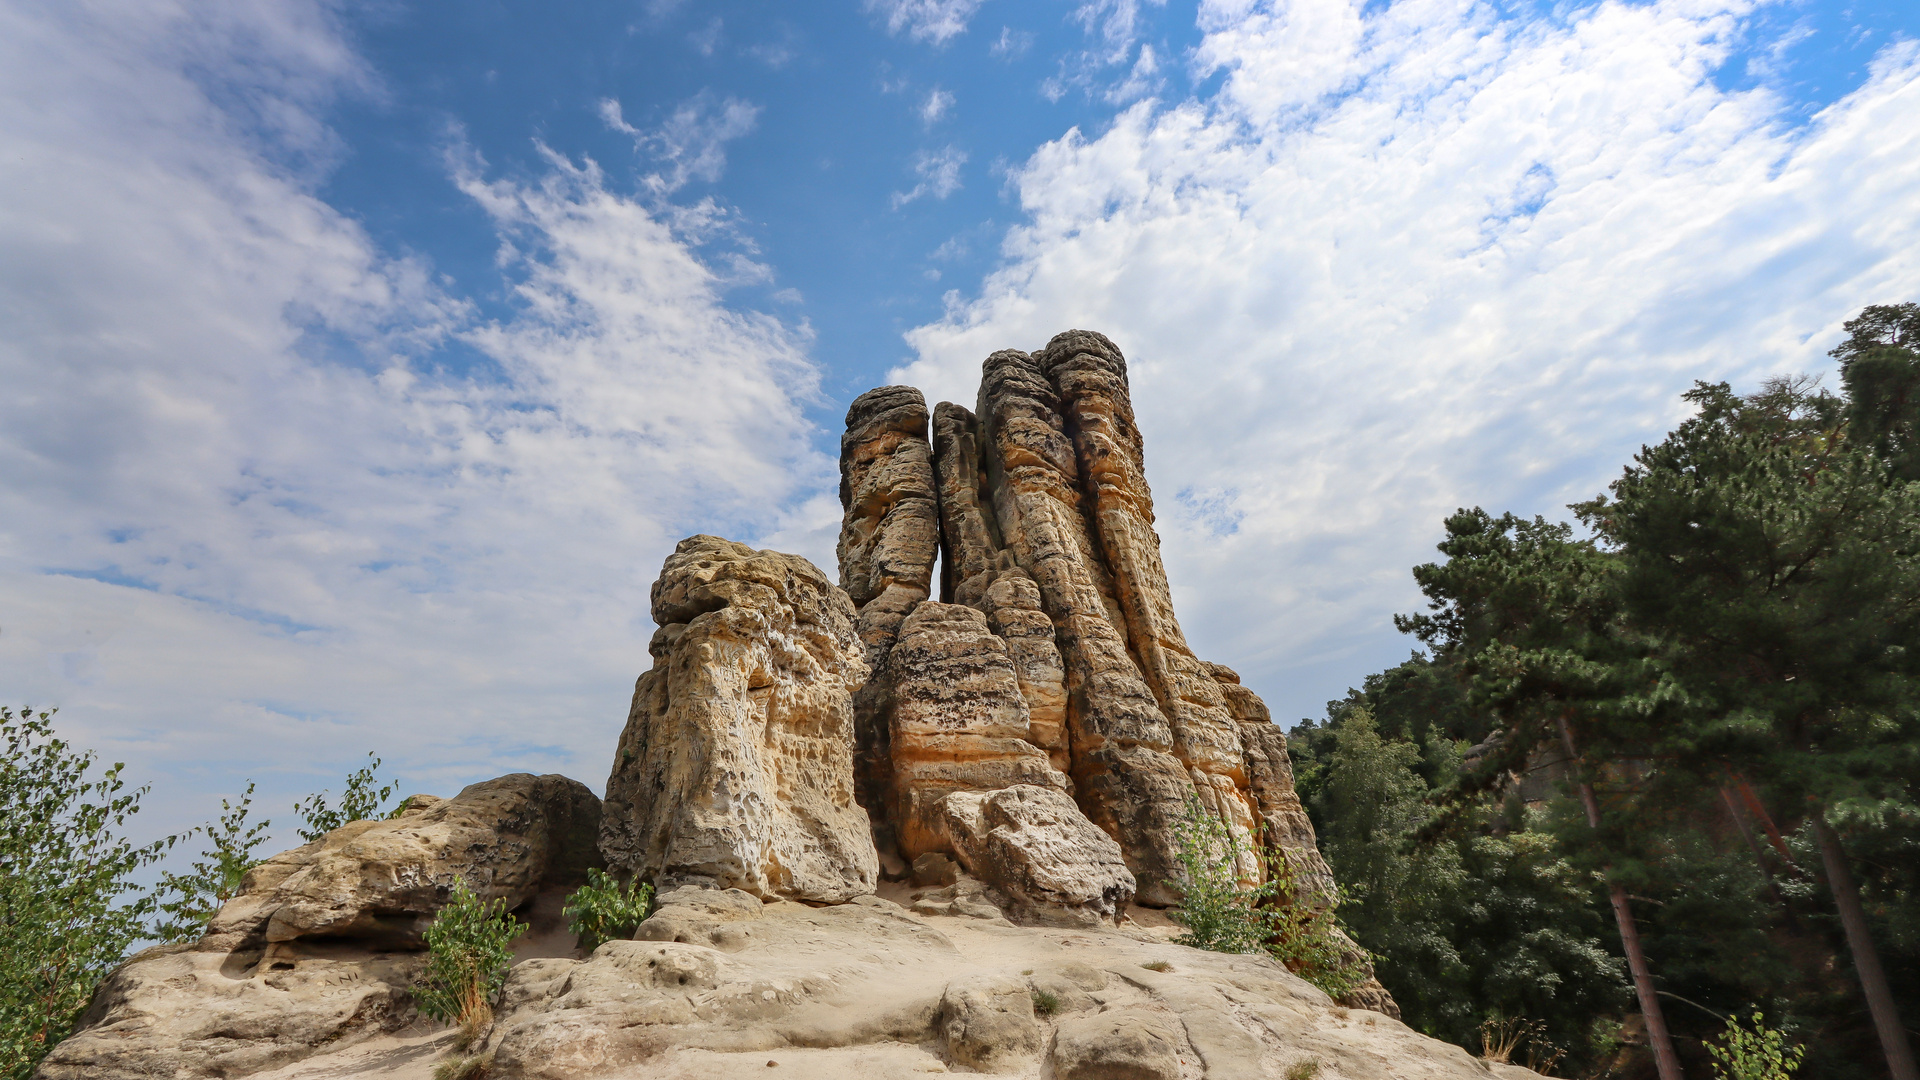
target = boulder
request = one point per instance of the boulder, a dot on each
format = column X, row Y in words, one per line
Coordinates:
column 381, row 882
column 1036, row 847
column 735, row 769
column 319, row 950
column 988, row 1022
column 1138, row 1043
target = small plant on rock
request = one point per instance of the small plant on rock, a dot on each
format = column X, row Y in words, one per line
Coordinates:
column 1221, row 913
column 1756, row 1053
column 1045, row 1003
column 194, row 898
column 603, row 909
column 1224, row 914
column 1306, row 1068
column 1158, row 965
column 469, row 949
column 363, row 800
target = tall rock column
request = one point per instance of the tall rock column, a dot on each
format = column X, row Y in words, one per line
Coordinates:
column 1096, row 404
column 736, row 768
column 977, row 572
column 1125, row 775
column 889, row 539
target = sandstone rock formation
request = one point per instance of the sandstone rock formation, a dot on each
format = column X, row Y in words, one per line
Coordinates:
column 735, row 769
column 719, row 984
column 320, row 948
column 1050, row 863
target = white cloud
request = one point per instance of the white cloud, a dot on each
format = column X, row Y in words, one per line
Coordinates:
column 244, row 529
column 939, row 173
column 935, row 21
column 1418, row 257
column 692, row 143
column 938, row 104
column 1011, row 44
column 1114, row 29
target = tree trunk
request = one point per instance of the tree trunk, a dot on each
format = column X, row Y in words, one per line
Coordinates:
column 1866, row 962
column 1759, row 857
column 1664, row 1058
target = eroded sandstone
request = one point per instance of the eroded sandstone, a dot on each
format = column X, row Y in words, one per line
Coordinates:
column 735, row 769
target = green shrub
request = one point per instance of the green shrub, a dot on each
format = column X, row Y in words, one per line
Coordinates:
column 1220, row 913
column 69, row 909
column 362, row 801
column 1223, row 914
column 603, row 909
column 215, row 878
column 1756, row 1053
column 469, row 949
column 1045, row 1003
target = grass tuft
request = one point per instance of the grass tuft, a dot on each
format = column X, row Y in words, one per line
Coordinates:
column 1045, row 1002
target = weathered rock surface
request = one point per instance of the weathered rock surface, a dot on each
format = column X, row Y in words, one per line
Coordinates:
column 958, row 720
column 867, row 989
column 1125, row 775
column 380, row 882
column 889, row 539
column 319, row 950
column 735, row 769
column 1034, row 845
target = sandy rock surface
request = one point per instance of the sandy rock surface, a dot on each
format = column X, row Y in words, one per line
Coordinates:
column 869, row 989
column 736, row 765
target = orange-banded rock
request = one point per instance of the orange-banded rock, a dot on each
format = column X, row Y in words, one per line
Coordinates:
column 958, row 721
column 978, row 573
column 1285, row 827
column 1090, row 375
column 735, row 769
column 889, row 539
column 1124, row 773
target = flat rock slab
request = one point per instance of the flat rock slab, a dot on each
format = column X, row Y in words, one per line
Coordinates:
column 870, row 990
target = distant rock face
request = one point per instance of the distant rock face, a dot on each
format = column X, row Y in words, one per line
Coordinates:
column 321, row 948
column 736, row 766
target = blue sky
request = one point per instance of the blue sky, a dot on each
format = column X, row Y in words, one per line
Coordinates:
column 364, row 360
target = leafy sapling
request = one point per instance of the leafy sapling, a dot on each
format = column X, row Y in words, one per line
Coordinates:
column 469, row 949
column 362, row 801
column 603, row 909
column 215, row 877
column 1754, row 1053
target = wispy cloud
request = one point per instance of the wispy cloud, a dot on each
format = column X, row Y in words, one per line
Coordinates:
column 1011, row 44
column 691, row 143
column 939, row 173
column 1114, row 40
column 1415, row 257
column 934, row 21
column 938, row 104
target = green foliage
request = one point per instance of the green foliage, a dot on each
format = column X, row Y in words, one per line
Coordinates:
column 1470, row 925
column 603, row 909
column 1224, row 914
column 1220, row 912
column 1045, row 1003
column 1755, row 1053
column 215, row 877
column 469, row 949
column 69, row 909
column 1880, row 368
column 362, row 801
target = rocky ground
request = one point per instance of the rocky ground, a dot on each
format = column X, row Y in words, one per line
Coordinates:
column 734, row 988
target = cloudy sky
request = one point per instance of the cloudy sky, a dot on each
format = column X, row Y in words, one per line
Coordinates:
column 363, row 360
